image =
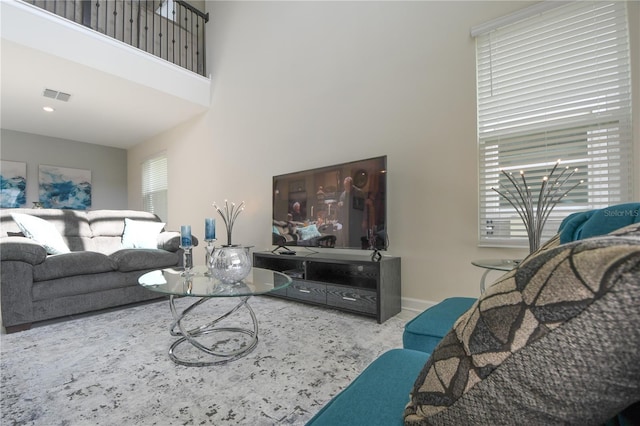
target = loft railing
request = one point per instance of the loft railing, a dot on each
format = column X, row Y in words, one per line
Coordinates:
column 171, row 29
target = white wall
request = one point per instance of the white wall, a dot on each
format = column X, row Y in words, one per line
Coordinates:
column 298, row 85
column 108, row 165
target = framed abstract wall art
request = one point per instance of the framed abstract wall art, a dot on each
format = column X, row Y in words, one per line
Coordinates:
column 64, row 188
column 13, row 184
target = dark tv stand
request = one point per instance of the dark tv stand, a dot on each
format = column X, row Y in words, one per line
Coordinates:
column 353, row 283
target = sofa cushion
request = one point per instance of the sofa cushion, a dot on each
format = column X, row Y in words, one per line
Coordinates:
column 553, row 341
column 98, row 292
column 107, row 227
column 378, row 395
column 140, row 234
column 592, row 223
column 74, row 263
column 72, row 225
column 110, row 223
column 42, row 232
column 22, row 249
column 170, row 241
column 143, row 259
column 424, row 332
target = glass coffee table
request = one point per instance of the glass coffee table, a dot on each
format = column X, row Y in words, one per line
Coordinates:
column 177, row 284
column 504, row 265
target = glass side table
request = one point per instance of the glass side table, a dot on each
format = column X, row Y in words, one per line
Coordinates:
column 198, row 284
column 504, row 265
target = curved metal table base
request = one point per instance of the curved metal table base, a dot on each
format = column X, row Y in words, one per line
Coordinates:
column 191, row 335
column 482, row 281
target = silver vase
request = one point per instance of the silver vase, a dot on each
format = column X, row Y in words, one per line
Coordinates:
column 230, row 264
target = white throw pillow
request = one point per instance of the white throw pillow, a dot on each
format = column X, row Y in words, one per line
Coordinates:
column 139, row 234
column 42, row 232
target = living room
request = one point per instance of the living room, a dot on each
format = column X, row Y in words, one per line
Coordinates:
column 300, row 85
column 395, row 79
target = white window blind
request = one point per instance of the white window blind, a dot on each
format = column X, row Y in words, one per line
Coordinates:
column 555, row 85
column 155, row 185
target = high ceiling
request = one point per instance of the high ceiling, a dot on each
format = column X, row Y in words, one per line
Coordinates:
column 113, row 101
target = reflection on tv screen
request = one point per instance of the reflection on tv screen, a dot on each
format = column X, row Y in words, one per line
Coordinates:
column 339, row 206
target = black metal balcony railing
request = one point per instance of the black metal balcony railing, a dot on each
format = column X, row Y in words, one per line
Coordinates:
column 172, row 30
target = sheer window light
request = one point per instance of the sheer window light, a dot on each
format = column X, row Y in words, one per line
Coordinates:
column 155, row 186
column 553, row 82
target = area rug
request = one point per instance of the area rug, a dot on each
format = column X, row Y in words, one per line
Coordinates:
column 112, row 368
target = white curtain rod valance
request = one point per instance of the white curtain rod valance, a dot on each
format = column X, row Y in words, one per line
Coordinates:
column 519, row 15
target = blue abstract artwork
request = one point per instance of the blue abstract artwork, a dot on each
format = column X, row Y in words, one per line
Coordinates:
column 64, row 188
column 13, row 184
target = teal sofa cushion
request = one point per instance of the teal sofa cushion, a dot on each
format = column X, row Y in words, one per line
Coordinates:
column 424, row 332
column 593, row 223
column 378, row 395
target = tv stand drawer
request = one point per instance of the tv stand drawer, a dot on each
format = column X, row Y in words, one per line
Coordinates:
column 353, row 299
column 307, row 291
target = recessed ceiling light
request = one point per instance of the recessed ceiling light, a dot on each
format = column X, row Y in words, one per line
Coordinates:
column 48, row 109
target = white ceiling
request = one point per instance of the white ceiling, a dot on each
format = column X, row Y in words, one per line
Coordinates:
column 114, row 101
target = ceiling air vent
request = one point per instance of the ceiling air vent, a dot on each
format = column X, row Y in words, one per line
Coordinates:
column 54, row 94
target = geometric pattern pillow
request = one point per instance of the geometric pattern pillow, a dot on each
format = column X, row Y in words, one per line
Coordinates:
column 555, row 341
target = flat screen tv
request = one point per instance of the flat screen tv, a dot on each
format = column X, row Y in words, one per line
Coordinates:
column 339, row 206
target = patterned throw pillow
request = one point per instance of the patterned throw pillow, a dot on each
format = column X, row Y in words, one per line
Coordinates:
column 554, row 341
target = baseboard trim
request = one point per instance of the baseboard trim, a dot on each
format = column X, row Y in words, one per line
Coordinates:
column 416, row 305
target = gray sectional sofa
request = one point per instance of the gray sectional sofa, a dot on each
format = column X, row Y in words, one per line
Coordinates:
column 95, row 271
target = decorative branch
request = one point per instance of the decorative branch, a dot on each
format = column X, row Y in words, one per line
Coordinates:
column 229, row 216
column 535, row 216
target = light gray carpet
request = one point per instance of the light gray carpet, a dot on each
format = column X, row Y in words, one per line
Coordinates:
column 112, row 368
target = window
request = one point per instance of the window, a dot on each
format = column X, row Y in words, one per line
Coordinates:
column 553, row 82
column 155, row 185
column 167, row 10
